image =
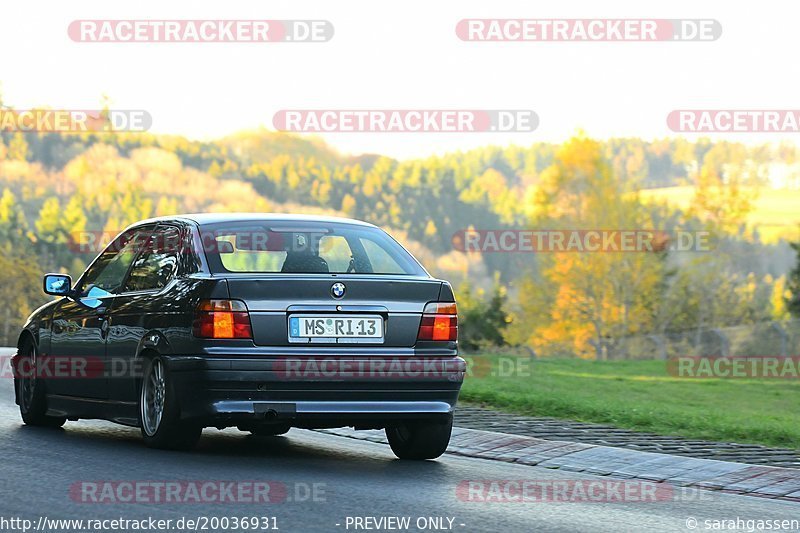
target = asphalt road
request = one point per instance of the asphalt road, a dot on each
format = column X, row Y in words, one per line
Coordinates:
column 352, row 479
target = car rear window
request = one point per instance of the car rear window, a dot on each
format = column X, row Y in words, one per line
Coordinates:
column 304, row 248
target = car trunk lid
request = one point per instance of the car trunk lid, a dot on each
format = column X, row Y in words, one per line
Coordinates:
column 272, row 299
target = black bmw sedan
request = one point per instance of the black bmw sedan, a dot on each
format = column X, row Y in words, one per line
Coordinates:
column 260, row 322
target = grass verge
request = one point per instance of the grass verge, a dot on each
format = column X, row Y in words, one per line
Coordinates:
column 641, row 395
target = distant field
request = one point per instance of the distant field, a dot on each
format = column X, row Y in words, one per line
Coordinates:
column 776, row 213
column 641, row 395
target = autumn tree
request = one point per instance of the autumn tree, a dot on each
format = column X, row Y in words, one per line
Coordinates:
column 726, row 186
column 13, row 225
column 482, row 319
column 586, row 302
column 20, row 279
column 18, row 147
column 793, row 285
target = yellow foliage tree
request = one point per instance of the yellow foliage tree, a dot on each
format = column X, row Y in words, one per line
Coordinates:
column 585, row 302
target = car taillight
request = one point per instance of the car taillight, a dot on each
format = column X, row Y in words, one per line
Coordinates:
column 439, row 322
column 222, row 319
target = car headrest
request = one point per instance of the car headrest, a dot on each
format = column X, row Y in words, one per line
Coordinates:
column 305, row 263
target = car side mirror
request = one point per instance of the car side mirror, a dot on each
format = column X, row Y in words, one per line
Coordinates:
column 57, row 284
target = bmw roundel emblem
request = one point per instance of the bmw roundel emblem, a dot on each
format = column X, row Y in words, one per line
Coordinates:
column 337, row 290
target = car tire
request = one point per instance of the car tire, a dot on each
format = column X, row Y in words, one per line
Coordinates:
column 420, row 440
column 159, row 411
column 31, row 394
column 267, row 430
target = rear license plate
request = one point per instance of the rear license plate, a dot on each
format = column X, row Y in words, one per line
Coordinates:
column 338, row 329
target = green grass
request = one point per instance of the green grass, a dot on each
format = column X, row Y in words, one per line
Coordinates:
column 774, row 213
column 641, row 395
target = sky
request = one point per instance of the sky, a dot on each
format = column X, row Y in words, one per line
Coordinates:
column 405, row 55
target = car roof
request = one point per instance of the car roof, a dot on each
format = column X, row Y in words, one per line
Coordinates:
column 203, row 219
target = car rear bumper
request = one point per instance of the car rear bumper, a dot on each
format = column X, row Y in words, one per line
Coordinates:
column 367, row 391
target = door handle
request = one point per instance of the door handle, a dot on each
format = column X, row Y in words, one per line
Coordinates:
column 104, row 327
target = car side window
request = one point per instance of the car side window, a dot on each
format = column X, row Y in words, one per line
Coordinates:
column 379, row 258
column 108, row 272
column 158, row 262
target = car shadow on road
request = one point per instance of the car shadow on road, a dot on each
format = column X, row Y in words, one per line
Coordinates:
column 219, row 448
column 326, row 451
